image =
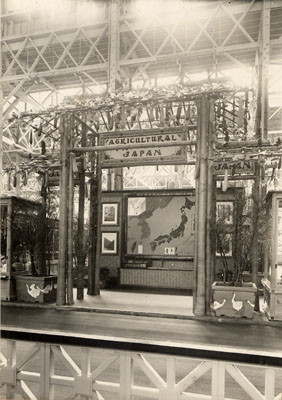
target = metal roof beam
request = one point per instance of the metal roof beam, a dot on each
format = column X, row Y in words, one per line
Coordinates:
column 46, row 74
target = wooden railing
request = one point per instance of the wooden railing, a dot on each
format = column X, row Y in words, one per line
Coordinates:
column 53, row 366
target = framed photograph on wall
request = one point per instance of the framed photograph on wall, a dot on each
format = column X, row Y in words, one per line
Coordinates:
column 109, row 243
column 110, row 214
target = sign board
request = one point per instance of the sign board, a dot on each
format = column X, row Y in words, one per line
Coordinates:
column 54, row 177
column 130, row 155
column 236, row 167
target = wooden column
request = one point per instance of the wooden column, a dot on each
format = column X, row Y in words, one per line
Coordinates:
column 93, row 213
column 9, row 237
column 211, row 187
column 201, row 218
column 263, row 74
column 43, row 270
column 113, row 72
column 256, row 224
column 1, row 118
column 197, row 173
column 80, row 224
column 63, row 223
column 99, row 221
column 114, row 75
column 70, row 232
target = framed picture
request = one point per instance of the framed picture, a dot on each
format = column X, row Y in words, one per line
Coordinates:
column 109, row 242
column 110, row 214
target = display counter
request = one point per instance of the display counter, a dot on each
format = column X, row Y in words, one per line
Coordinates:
column 157, row 277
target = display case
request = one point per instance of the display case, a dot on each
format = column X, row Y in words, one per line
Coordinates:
column 272, row 281
column 16, row 219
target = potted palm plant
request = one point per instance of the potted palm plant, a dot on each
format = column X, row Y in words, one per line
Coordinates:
column 34, row 230
column 232, row 296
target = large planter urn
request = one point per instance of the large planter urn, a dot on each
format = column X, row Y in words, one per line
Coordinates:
column 36, row 289
column 234, row 301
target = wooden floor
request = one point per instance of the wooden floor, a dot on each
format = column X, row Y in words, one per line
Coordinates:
column 248, row 339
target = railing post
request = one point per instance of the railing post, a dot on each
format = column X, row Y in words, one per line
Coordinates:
column 11, row 369
column 270, row 383
column 170, row 392
column 85, row 373
column 218, row 380
column 126, row 375
column 46, row 371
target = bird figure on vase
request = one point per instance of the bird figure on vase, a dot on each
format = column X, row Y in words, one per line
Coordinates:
column 237, row 305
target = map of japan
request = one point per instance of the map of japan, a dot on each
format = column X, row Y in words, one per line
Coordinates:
column 158, row 222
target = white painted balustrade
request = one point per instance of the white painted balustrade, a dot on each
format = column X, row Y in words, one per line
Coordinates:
column 43, row 371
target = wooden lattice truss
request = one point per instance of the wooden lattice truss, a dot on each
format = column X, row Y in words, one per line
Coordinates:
column 46, row 371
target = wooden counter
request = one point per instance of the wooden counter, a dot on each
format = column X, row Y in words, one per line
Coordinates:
column 157, row 277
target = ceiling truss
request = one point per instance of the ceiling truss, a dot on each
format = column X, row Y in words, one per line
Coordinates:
column 211, row 38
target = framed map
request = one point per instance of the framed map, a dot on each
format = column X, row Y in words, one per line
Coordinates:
column 160, row 225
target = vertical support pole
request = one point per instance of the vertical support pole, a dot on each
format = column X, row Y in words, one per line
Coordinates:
column 9, row 238
column 18, row 187
column 63, row 233
column 99, row 221
column 197, row 173
column 114, row 44
column 200, row 307
column 256, row 221
column 265, row 67
column 1, row 109
column 126, row 375
column 80, row 225
column 270, row 383
column 44, row 224
column 93, row 212
column 218, row 380
column 210, row 248
column 114, row 69
column 264, row 36
column 70, row 234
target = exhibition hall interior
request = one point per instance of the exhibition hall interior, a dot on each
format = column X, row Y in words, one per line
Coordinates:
column 141, row 199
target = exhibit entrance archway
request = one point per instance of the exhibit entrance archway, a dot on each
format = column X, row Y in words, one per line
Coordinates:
column 201, row 126
column 151, row 255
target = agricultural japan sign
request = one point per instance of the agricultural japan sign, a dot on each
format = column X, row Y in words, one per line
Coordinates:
column 235, row 167
column 156, row 148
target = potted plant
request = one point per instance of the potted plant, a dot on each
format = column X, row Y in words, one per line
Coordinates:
column 34, row 231
column 232, row 296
